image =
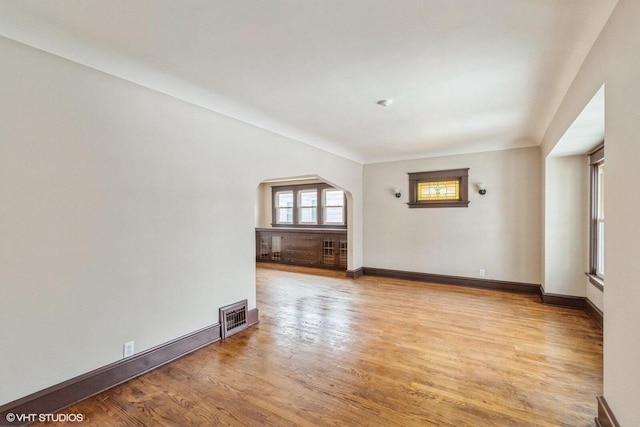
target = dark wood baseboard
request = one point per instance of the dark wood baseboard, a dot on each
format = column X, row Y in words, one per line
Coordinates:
column 594, row 312
column 605, row 415
column 568, row 301
column 354, row 274
column 62, row 395
column 310, row 265
column 528, row 288
column 580, row 303
column 563, row 300
column 72, row 391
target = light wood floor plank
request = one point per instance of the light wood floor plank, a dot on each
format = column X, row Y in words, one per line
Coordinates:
column 375, row 351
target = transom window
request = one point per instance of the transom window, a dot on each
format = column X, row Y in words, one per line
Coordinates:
column 439, row 189
column 309, row 205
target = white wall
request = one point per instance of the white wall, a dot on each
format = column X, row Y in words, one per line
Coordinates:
column 498, row 232
column 566, row 225
column 614, row 61
column 595, row 295
column 125, row 214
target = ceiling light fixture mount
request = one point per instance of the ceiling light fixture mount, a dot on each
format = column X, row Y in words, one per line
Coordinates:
column 385, row 102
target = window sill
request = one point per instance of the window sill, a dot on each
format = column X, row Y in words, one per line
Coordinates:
column 446, row 204
column 596, row 281
column 328, row 226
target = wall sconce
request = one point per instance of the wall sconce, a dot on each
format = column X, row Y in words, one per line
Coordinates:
column 396, row 192
column 482, row 188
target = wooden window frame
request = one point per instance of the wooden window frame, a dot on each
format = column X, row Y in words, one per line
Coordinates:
column 460, row 175
column 320, row 187
column 298, row 205
column 324, row 206
column 596, row 158
column 276, row 208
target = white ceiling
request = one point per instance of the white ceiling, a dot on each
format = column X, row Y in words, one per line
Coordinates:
column 465, row 75
column 587, row 130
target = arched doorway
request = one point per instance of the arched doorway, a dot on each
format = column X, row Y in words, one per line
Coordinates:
column 308, row 216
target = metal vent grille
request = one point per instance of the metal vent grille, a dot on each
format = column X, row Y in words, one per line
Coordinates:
column 233, row 318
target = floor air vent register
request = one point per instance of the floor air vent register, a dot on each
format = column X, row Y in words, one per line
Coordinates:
column 233, row 318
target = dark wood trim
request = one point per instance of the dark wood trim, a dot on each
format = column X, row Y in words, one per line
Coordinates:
column 321, row 266
column 595, row 313
column 67, row 393
column 597, row 155
column 462, row 175
column 438, row 175
column 315, row 230
column 253, row 317
column 528, row 288
column 303, row 247
column 605, row 414
column 295, row 189
column 596, row 281
column 595, row 159
column 593, row 218
column 354, row 274
column 309, row 226
column 440, row 204
column 567, row 301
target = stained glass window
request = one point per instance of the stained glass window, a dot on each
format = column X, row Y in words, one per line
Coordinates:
column 439, row 190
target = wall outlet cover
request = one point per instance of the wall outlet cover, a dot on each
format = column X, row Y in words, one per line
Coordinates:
column 128, row 349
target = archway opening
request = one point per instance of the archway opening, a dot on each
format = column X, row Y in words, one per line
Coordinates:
column 305, row 221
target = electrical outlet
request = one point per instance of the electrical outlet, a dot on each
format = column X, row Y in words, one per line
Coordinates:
column 128, row 349
column 481, row 273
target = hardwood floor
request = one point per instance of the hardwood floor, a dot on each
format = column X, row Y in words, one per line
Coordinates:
column 372, row 351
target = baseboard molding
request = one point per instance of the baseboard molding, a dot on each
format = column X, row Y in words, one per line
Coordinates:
column 527, row 288
column 72, row 391
column 580, row 303
column 594, row 312
column 354, row 274
column 605, row 415
column 252, row 317
column 567, row 301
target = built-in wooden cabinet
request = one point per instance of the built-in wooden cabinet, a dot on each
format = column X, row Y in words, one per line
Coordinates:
column 303, row 246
